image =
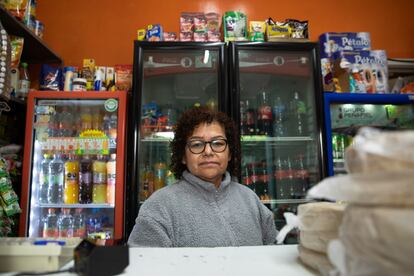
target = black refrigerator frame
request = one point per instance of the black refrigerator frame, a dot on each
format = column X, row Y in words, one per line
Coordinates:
column 132, row 172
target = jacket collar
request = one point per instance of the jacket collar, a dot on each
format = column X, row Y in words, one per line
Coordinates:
column 207, row 186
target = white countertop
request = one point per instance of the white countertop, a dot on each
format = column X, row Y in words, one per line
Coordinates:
column 219, row 261
column 239, row 261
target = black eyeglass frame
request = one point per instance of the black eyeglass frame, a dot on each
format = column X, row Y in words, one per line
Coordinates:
column 207, row 142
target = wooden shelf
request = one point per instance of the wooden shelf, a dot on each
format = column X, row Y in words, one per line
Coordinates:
column 34, row 49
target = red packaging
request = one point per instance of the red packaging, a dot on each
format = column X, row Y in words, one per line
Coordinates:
column 123, row 77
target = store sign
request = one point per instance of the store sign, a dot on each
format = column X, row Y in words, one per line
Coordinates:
column 345, row 115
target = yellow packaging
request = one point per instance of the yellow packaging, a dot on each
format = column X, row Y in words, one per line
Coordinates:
column 110, row 79
column 141, row 34
column 275, row 31
column 88, row 72
column 71, row 192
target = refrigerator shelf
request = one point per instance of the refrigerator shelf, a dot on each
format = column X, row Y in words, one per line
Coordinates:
column 286, row 201
column 91, row 206
column 264, row 138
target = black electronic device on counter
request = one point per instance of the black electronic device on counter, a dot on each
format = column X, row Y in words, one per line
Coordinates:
column 91, row 259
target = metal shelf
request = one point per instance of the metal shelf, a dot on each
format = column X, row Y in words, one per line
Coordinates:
column 34, row 50
column 286, row 201
column 78, row 205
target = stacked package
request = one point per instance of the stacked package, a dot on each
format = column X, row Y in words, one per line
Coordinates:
column 376, row 236
column 199, row 27
column 349, row 65
column 318, row 224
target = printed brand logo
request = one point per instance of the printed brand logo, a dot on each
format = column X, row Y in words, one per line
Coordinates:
column 355, row 42
column 111, row 105
column 365, row 60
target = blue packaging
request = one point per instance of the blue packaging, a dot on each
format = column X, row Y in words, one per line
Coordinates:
column 331, row 44
column 361, row 71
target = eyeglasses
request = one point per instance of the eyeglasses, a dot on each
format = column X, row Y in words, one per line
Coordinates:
column 198, row 146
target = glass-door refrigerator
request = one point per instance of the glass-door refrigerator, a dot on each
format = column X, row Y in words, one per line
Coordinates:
column 169, row 77
column 73, row 168
column 345, row 113
column 276, row 98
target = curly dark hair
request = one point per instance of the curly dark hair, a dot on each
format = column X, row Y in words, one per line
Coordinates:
column 186, row 124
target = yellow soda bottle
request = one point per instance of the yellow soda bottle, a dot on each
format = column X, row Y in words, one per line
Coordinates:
column 99, row 180
column 111, row 179
column 71, row 191
column 160, row 170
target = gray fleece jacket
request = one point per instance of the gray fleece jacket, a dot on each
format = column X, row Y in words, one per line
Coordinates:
column 194, row 213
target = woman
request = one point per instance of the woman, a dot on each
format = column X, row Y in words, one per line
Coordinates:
column 205, row 208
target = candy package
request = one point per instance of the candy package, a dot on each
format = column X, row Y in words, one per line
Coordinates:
column 235, row 26
column 51, row 78
column 123, row 77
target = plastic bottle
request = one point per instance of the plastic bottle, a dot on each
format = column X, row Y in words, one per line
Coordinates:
column 85, row 180
column 297, row 114
column 243, row 130
column 56, row 179
column 50, row 224
column 264, row 113
column 65, row 224
column 113, row 125
column 302, row 177
column 97, row 119
column 24, row 82
column 79, row 224
column 290, row 181
column 264, row 179
column 99, row 180
column 279, row 113
column 68, row 78
column 71, row 192
column 160, row 170
column 86, row 118
column 53, row 125
column 65, row 123
column 280, row 176
column 111, row 179
column 250, row 119
column 171, row 117
column 147, row 183
column 105, row 124
column 44, row 179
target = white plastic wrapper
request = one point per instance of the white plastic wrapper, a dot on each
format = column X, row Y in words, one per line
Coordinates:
column 380, row 151
column 374, row 241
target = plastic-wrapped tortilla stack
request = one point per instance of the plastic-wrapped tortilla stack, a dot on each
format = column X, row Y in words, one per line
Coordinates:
column 318, row 224
column 376, row 236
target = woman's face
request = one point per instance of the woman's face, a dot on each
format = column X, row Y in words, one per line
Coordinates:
column 208, row 165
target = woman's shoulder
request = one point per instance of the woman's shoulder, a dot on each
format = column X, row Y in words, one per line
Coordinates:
column 243, row 190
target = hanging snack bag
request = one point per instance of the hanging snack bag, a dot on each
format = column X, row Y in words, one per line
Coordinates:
column 17, row 49
column 51, row 78
column 16, row 8
column 235, row 26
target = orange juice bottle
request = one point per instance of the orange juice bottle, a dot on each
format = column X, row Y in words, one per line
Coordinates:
column 86, row 118
column 111, row 179
column 160, row 170
column 99, row 180
column 71, row 191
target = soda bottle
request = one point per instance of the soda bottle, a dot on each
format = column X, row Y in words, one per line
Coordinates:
column 111, row 179
column 113, row 125
column 170, row 178
column 279, row 111
column 50, row 224
column 85, row 180
column 160, row 169
column 53, row 125
column 56, row 179
column 65, row 224
column 243, row 130
column 86, row 118
column 250, row 124
column 302, row 177
column 147, row 183
column 289, row 179
column 65, row 123
column 105, row 124
column 24, row 82
column 264, row 113
column 97, row 119
column 171, row 116
column 297, row 112
column 71, row 192
column 254, row 177
column 44, row 178
column 280, row 176
column 264, row 181
column 79, row 224
column 99, row 180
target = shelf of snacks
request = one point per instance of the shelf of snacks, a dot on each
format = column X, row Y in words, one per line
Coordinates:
column 35, row 49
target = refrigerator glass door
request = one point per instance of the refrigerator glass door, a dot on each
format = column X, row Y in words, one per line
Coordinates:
column 279, row 126
column 172, row 80
column 347, row 118
column 73, row 168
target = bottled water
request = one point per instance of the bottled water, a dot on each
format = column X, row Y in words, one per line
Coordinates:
column 44, row 179
column 65, row 224
column 79, row 224
column 50, row 224
column 56, row 178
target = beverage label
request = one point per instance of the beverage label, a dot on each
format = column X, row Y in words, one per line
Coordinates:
column 66, row 233
column 56, row 179
column 50, row 233
column 86, row 177
column 99, row 178
column 79, row 232
column 265, row 113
